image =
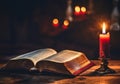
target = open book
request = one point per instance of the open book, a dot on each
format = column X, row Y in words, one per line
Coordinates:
column 64, row 62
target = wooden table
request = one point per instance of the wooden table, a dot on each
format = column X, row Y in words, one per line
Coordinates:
column 85, row 78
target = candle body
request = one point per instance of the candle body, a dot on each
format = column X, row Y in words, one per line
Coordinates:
column 77, row 13
column 104, row 45
column 55, row 25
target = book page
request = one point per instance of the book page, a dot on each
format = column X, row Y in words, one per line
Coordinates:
column 77, row 64
column 36, row 55
column 64, row 56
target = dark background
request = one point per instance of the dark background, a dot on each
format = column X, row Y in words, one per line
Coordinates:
column 25, row 25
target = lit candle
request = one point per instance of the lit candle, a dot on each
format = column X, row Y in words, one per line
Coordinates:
column 104, row 43
column 80, row 11
column 65, row 24
column 55, row 22
column 77, row 10
column 83, row 10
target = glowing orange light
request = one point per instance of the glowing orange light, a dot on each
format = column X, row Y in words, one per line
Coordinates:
column 103, row 28
column 83, row 9
column 55, row 22
column 77, row 9
column 65, row 24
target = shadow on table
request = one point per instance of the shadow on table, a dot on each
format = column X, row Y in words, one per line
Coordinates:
column 37, row 78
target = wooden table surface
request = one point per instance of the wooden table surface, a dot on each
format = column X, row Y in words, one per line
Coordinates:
column 85, row 78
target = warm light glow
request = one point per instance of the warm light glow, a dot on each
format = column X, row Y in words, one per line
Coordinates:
column 83, row 9
column 66, row 22
column 104, row 28
column 55, row 21
column 77, row 9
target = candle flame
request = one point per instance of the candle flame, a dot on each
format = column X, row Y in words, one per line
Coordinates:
column 66, row 22
column 83, row 9
column 77, row 8
column 104, row 28
column 55, row 21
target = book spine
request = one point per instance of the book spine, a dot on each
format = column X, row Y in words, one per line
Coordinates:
column 83, row 69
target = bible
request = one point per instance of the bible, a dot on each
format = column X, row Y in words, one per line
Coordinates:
column 67, row 62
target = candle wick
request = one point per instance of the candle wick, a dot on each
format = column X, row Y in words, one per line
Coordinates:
column 104, row 33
